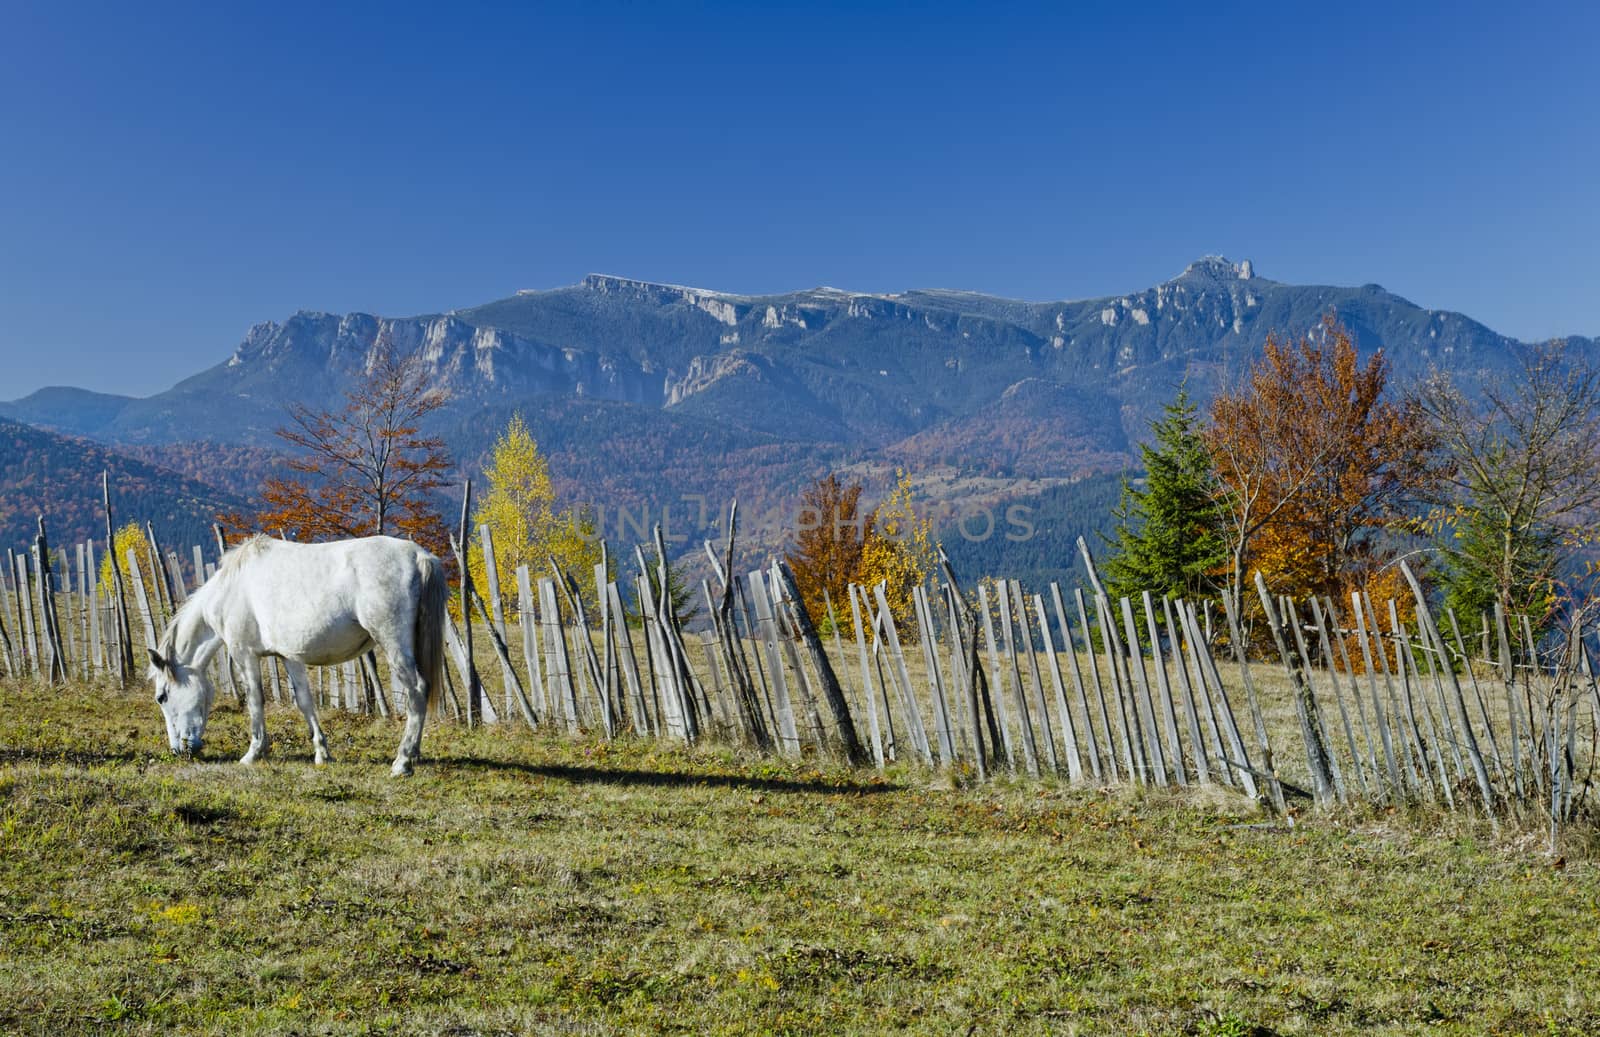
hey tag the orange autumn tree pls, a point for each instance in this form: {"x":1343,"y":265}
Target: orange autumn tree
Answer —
{"x":829,"y":536}
{"x":365,"y":469}
{"x":1315,"y":462}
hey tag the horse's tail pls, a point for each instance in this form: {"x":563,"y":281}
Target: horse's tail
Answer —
{"x":428,"y":643}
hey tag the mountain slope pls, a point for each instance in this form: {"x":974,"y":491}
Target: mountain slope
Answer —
{"x":59,"y":477}
{"x":643,"y":392}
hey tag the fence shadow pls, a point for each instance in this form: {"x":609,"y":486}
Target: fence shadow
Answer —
{"x":667,"y":779}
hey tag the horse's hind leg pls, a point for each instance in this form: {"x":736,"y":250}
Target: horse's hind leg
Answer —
{"x":250,"y":668}
{"x":404,"y":668}
{"x":300,"y":680}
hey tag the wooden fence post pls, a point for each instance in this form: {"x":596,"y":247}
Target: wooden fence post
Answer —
{"x":843,"y":725}
{"x":930,"y":661}
{"x":1144,"y":704}
{"x":1406,"y":667}
{"x":1169,"y":715}
{"x":1030,"y":753}
{"x":1206,"y":665}
{"x":1202,"y":766}
{"x":908,"y":696}
{"x":527,"y":622}
{"x":1430,"y":630}
{"x":1290,"y":617}
{"x":1069,"y":730}
{"x":1025,"y":635}
{"x":1236,"y":635}
{"x":1099,"y":688}
{"x":1322,"y":781}
{"x":866,"y":681}
{"x":788,"y":732}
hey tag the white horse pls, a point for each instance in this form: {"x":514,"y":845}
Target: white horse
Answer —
{"x":308,"y":604}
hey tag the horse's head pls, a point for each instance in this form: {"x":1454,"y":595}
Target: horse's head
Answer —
{"x":184,"y":694}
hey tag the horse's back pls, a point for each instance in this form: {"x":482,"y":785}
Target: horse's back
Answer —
{"x":326,"y":602}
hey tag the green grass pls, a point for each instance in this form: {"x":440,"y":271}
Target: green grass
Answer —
{"x":520,"y":883}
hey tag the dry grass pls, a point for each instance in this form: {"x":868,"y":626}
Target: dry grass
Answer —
{"x":521,"y":883}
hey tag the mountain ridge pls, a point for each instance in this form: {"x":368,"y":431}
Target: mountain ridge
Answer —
{"x":751,"y":395}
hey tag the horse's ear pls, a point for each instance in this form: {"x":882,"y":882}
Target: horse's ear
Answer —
{"x":158,"y":662}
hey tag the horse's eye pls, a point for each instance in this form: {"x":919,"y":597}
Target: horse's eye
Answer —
{"x":161,"y":698}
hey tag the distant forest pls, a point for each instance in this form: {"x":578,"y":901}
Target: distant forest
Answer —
{"x":42,"y":473}
{"x":1059,"y":516}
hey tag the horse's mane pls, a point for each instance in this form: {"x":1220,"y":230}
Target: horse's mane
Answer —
{"x":232,"y":559}
{"x":241,"y":552}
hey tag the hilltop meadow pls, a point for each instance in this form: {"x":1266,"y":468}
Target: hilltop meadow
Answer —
{"x":527,"y":883}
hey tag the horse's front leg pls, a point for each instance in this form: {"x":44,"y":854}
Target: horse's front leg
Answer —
{"x":300,"y":680}
{"x":250,"y":668}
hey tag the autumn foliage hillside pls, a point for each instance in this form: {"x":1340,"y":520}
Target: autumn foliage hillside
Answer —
{"x":59,"y":477}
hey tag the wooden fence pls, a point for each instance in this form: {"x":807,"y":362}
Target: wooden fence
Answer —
{"x":1064,"y":683}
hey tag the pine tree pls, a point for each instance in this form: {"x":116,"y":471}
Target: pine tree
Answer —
{"x":1477,"y":562}
{"x":1168,"y":537}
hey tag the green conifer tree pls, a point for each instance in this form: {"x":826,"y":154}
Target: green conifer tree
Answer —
{"x":1168,"y":535}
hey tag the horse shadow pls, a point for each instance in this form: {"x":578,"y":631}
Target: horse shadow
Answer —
{"x":669,"y":779}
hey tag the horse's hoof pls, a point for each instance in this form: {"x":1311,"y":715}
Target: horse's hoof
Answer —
{"x":249,"y":758}
{"x":323,"y":759}
{"x":400,"y":770}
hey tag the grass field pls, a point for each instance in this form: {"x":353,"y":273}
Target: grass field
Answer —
{"x":520,"y":883}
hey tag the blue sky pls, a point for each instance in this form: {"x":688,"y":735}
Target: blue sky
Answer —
{"x":171,"y":174}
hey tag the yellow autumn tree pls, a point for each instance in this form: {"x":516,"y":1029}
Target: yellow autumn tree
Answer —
{"x":129,"y":537}
{"x":899,"y":552}
{"x":527,"y":523}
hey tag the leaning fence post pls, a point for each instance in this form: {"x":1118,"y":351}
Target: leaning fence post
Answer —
{"x":1407,"y":667}
{"x":788,"y":731}
{"x":1069,"y":731}
{"x":1025,"y":726}
{"x":47,"y":606}
{"x":1431,"y":630}
{"x":1044,"y":730}
{"x":1477,"y":692}
{"x":460,"y":546}
{"x":866,"y":681}
{"x":1291,"y":617}
{"x":1142,"y":698}
{"x":495,"y":618}
{"x":1206,"y":665}
{"x":830,"y":682}
{"x":930,"y":660}
{"x":917,"y":730}
{"x":998,"y":684}
{"x":976,"y":689}
{"x":1402,"y":769}
{"x":137,"y":579}
{"x":630,"y":666}
{"x":124,"y":633}
{"x":1508,"y":675}
{"x":1099,"y":688}
{"x":1274,"y":785}
{"x":1339,"y":634}
{"x":1169,"y":714}
{"x":1077,"y":680}
{"x":1316,"y":752}
{"x":1202,"y":766}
